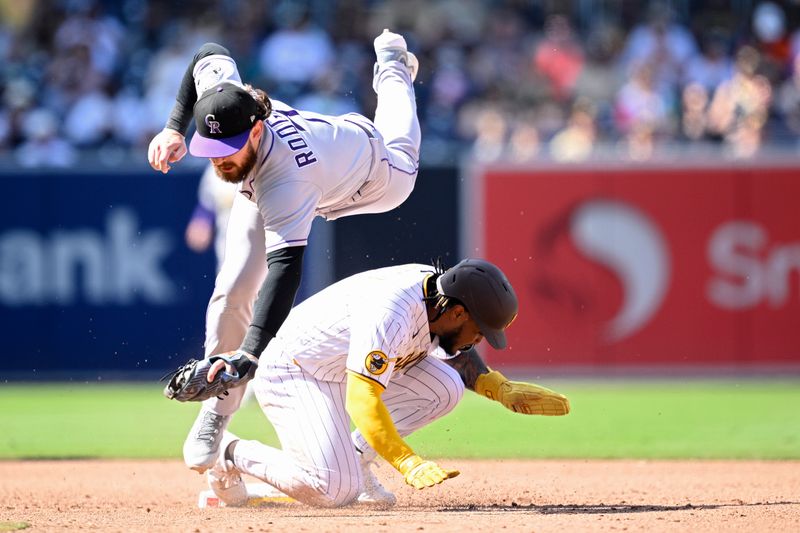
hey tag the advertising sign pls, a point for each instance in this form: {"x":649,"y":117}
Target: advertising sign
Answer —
{"x":643,"y":266}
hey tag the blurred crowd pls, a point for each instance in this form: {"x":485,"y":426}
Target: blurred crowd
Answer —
{"x":509,"y":80}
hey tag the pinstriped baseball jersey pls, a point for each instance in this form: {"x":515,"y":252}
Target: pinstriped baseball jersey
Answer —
{"x":372,"y":323}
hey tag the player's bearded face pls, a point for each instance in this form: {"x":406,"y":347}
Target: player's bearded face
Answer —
{"x":460,"y":338}
{"x":236,"y":167}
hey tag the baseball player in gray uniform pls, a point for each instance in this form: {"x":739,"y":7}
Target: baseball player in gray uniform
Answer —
{"x":391,"y":350}
{"x":291,"y":166}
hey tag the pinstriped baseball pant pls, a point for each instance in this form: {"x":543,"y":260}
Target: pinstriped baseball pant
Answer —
{"x":318,"y":463}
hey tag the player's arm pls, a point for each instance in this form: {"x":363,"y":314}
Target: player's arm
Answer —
{"x":469,"y":366}
{"x":169,"y":145}
{"x":200,"y":230}
{"x":287,"y":211}
{"x":275,"y":299}
{"x":370,"y":415}
{"x":517,"y":396}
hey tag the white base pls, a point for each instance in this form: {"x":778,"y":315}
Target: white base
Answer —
{"x":258,"y":495}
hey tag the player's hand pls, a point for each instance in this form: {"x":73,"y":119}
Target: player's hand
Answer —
{"x":521,"y":397}
{"x":199,"y":234}
{"x":240,"y":367}
{"x":195,"y":382}
{"x":420,"y":473}
{"x":168,"y":146}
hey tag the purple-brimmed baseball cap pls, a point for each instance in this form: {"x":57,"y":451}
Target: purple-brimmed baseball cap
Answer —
{"x":223,"y":116}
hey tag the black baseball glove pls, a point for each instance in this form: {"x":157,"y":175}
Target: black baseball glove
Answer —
{"x":189,"y":383}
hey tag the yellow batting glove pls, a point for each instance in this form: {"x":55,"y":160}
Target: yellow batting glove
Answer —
{"x":521,"y":397}
{"x":420,"y":473}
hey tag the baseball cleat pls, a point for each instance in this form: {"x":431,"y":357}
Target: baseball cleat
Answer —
{"x":201,"y":447}
{"x":373,"y":493}
{"x":392,"y":47}
{"x":224,"y":479}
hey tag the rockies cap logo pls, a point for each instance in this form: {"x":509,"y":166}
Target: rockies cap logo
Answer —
{"x":213,"y":125}
{"x":229,"y":104}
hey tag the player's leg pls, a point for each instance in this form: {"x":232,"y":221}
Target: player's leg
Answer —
{"x":396,"y":115}
{"x":227,"y":319}
{"x":317,"y":464}
{"x":396,"y":111}
{"x":424,"y":393}
{"x":396,"y":134}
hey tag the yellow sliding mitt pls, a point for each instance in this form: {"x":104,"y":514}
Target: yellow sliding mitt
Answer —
{"x":420,"y":473}
{"x":521,"y":397}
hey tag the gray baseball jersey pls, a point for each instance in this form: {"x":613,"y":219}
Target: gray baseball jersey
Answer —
{"x":309,"y":165}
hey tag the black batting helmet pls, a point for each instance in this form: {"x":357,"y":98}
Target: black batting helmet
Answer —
{"x":486,"y":293}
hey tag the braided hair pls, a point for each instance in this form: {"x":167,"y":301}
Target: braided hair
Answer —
{"x":441,"y":302}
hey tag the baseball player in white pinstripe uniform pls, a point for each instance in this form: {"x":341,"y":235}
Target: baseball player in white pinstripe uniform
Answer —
{"x":390,"y":349}
{"x":291,"y":166}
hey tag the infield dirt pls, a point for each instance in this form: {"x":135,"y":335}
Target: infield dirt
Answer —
{"x":509,"y":495}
